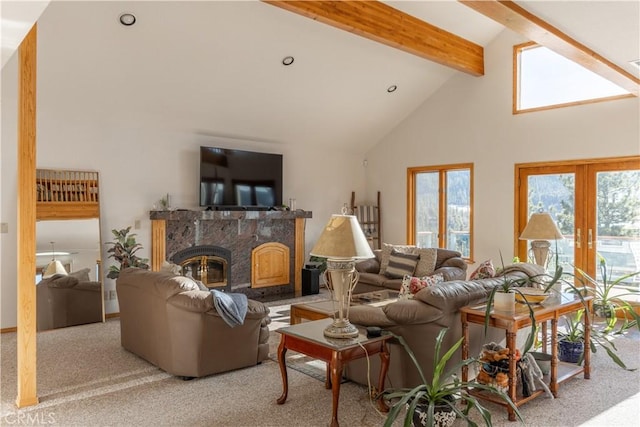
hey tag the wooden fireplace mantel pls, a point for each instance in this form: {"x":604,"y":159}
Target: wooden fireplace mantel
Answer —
{"x":163,"y":225}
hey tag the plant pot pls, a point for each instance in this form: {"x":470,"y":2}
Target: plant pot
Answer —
{"x":504,"y":301}
{"x":443,"y":416}
{"x":570,"y":351}
{"x":543,"y":360}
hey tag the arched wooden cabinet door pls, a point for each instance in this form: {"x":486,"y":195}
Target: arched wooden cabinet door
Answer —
{"x":270,"y":265}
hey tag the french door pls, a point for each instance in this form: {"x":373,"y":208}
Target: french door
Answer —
{"x":596,"y":205}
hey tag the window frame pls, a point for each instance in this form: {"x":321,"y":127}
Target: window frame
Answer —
{"x":442,"y":171}
{"x":517,"y":49}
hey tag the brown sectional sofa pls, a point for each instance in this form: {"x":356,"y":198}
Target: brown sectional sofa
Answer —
{"x":170,"y":322}
{"x":448,"y":262}
{"x":419,"y":321}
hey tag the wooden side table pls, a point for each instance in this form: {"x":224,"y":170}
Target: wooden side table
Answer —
{"x":511,"y":323}
{"x":308,"y":338}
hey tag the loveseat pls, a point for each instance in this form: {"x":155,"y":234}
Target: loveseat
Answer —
{"x":68,"y":300}
{"x":172,"y":323}
{"x":447,"y":262}
{"x":420,"y":319}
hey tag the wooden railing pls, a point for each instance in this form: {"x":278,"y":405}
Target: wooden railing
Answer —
{"x":66,"y":194}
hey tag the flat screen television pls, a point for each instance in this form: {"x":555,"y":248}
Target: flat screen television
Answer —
{"x":239,"y":179}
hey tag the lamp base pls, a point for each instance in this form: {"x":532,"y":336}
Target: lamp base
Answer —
{"x":341,"y":328}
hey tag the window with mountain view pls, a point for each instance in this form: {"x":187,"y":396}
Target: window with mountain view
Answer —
{"x":545,"y":79}
{"x":440,"y":207}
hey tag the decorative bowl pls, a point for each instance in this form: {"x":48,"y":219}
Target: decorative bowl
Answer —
{"x":531,"y":295}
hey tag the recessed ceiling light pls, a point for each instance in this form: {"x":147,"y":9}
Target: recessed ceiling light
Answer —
{"x":392,"y":88}
{"x":127,"y":19}
{"x":288,"y":60}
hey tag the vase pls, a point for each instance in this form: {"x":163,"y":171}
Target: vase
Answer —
{"x":504,"y":301}
{"x":443,"y":416}
{"x":570,"y":351}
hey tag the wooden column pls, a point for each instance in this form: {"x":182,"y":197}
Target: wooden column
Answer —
{"x":299,"y":256}
{"x":158,"y":243}
{"x":26,"y":223}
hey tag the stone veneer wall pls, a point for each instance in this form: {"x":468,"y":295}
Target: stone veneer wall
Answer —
{"x":238,"y":231}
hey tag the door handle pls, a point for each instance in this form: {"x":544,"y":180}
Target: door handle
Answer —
{"x":590,"y":239}
{"x":578,"y":238}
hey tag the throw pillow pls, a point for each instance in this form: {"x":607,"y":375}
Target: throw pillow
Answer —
{"x":386,"y":253}
{"x":401,"y":264}
{"x":484,"y":271}
{"x":82,"y":275}
{"x":171,"y":268}
{"x":427,"y":262}
{"x":412,"y":285}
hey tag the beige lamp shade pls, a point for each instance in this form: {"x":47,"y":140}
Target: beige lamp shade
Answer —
{"x":54,"y":267}
{"x":541,"y":227}
{"x":342,"y":238}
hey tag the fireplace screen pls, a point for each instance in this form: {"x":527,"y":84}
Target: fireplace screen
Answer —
{"x":210,"y":270}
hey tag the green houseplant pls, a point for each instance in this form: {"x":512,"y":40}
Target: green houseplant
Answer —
{"x":123,"y":249}
{"x":439,"y":400}
{"x":607,"y":297}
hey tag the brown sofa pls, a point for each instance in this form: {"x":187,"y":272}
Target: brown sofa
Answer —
{"x":448,"y":262}
{"x":169,"y":321}
{"x":419,"y":321}
{"x":68,"y":300}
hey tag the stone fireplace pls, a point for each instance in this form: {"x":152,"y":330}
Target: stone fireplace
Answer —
{"x":218,"y":246}
{"x":207,"y":263}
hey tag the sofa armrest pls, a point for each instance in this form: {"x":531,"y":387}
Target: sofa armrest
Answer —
{"x":451,"y":296}
{"x":411,"y":312}
{"x":451,"y":273}
{"x":365,"y":315}
{"x":371,"y":265}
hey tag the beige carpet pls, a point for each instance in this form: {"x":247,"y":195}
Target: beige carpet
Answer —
{"x":85,"y":378}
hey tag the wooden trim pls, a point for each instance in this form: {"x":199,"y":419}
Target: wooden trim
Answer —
{"x":158,"y":243}
{"x":112,"y":315}
{"x":299,"y":256}
{"x":26,"y":224}
{"x":518,"y":19}
{"x":7,"y":330}
{"x":382,"y":23}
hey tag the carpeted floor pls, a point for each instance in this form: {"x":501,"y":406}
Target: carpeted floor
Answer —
{"x":85,"y":378}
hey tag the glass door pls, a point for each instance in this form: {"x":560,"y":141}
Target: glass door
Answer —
{"x":596,"y":205}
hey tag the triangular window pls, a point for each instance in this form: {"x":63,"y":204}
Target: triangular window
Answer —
{"x":546,"y":79}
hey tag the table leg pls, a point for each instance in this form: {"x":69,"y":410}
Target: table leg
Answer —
{"x":511,"y":345}
{"x":282,"y":350}
{"x":465,"y":346}
{"x":553,"y":379}
{"x":384,"y":367}
{"x":327,"y":377}
{"x":336,"y":375}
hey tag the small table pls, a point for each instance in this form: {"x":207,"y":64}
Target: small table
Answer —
{"x":323,"y":309}
{"x":512,"y":322}
{"x":308,"y":338}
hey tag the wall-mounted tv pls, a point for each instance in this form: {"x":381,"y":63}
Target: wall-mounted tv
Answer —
{"x":239,"y":179}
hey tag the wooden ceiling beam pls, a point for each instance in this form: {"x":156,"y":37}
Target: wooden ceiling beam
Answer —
{"x":381,"y":23}
{"x":521,"y":21}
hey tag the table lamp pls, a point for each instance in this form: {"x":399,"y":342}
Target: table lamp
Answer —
{"x":540,"y":229}
{"x":342,"y":242}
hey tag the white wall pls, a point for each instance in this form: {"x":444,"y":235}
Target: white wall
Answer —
{"x":139,"y":163}
{"x":469,"y":120}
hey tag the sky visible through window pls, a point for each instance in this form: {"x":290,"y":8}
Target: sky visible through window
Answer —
{"x":547,"y":78}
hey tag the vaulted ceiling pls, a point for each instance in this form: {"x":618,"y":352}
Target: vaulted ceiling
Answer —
{"x":215,"y":67}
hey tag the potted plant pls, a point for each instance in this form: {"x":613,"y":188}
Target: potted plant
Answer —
{"x":607,"y":297}
{"x":123,"y":249}
{"x":571,"y":341}
{"x":437,"y":403}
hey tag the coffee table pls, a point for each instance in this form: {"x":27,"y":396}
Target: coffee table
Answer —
{"x":308,"y":338}
{"x":323,"y":309}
